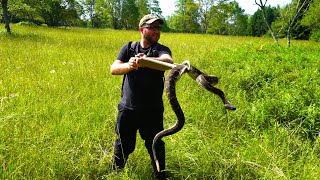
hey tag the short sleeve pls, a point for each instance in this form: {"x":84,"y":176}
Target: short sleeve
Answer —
{"x":123,"y":54}
{"x":163,"y":50}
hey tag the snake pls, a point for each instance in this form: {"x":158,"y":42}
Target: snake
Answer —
{"x":206,"y":81}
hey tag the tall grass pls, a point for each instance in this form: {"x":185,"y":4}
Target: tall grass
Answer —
{"x":58,"y":107}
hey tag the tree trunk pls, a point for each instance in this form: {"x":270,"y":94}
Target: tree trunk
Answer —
{"x":275,"y":38}
{"x":262,"y":7}
{"x":297,"y":13}
{"x":288,"y":36}
{"x":4,"y":4}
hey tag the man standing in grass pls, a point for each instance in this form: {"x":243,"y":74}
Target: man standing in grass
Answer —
{"x":141,"y":106}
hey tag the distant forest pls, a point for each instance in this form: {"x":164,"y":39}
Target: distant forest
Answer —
{"x":299,"y":19}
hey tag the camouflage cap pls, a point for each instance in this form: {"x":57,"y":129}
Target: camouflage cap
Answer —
{"x":148,"y":19}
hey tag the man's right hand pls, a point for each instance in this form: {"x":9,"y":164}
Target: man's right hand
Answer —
{"x":133,"y":63}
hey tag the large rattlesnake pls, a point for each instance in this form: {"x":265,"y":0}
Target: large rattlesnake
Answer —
{"x":174,"y":75}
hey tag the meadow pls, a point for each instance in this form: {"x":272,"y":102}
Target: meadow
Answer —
{"x":58,"y":106}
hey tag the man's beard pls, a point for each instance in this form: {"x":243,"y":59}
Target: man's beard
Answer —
{"x":150,"y":39}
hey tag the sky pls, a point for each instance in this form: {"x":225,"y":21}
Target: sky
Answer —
{"x":167,"y":6}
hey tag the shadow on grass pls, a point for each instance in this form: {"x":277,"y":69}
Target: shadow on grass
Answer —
{"x":31,"y":36}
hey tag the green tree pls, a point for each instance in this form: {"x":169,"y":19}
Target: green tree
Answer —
{"x":96,"y":13}
{"x":258,"y":21}
{"x":186,"y":17}
{"x":220,"y":16}
{"x":289,"y":24}
{"x":268,"y":17}
{"x":130,"y":14}
{"x":103,"y":17}
{"x":205,"y":16}
{"x":23,"y":10}
{"x":312,"y":20}
{"x":257,"y":24}
{"x":143,"y":7}
{"x":155,"y":8}
{"x":209,"y":16}
{"x":58,"y":12}
{"x":89,"y":10}
{"x":238,"y":23}
{"x":295,"y":28}
{"x":71,"y":13}
{"x":115,"y":13}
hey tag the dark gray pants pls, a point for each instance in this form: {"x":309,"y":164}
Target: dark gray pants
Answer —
{"x":149,"y":123}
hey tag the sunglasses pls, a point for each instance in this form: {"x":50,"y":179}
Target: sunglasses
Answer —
{"x":154,"y":28}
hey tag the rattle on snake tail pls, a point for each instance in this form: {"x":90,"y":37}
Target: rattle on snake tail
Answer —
{"x":174,"y":75}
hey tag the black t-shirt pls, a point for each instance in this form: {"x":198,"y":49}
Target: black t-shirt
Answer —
{"x":142,"y":89}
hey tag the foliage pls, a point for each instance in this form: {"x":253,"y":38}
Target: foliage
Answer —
{"x":311,"y":19}
{"x":238,"y":22}
{"x":299,"y":31}
{"x":118,"y":14}
{"x":258,"y":25}
{"x":185,"y":19}
{"x":315,"y":35}
{"x":221,"y":13}
{"x":290,"y":22}
{"x":26,"y":23}
{"x":143,"y":7}
{"x":223,"y":17}
{"x":58,"y":107}
{"x":155,"y":8}
{"x":20,"y":10}
{"x":130,"y":14}
{"x":51,"y":12}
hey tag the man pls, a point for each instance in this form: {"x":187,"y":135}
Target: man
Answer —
{"x":141,"y":105}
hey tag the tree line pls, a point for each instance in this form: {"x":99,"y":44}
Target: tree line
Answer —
{"x":299,"y":19}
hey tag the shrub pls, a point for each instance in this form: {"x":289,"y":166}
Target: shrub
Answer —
{"x":26,"y":23}
{"x":315,"y":36}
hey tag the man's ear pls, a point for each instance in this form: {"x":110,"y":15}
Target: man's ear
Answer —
{"x":140,"y":29}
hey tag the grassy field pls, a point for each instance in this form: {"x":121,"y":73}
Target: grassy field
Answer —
{"x":58,"y":105}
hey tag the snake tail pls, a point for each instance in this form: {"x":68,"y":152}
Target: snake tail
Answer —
{"x":173,"y":76}
{"x":157,"y":165}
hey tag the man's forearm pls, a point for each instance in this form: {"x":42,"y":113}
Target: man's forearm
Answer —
{"x":165,"y":58}
{"x":119,"y":68}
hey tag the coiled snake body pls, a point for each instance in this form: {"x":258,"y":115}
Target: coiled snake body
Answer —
{"x":174,"y":75}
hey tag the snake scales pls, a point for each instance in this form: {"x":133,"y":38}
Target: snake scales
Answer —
{"x":174,"y":75}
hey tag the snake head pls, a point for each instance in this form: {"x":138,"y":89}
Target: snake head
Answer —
{"x":230,"y":107}
{"x":203,"y":81}
{"x":187,"y":63}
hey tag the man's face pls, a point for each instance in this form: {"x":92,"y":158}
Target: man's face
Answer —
{"x":151,"y":32}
